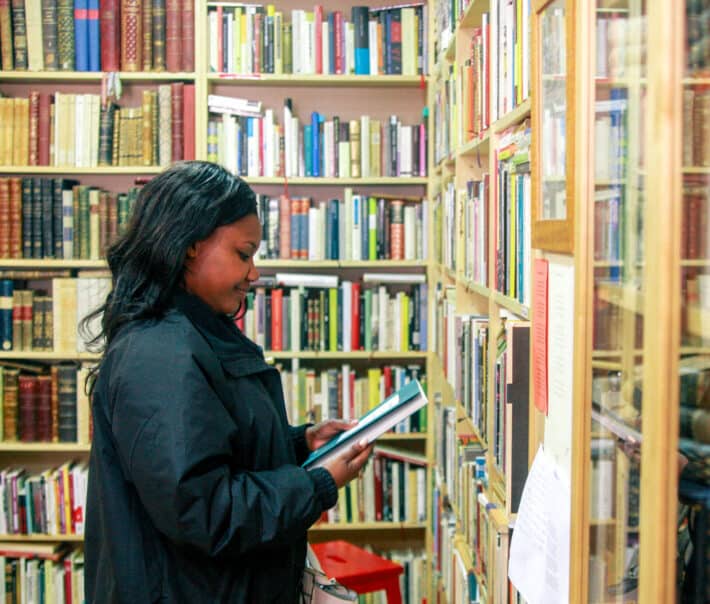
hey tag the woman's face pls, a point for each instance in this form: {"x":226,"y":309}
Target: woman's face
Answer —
{"x":220,"y":269}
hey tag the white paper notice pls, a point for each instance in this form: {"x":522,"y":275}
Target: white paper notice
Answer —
{"x":539,"y":549}
{"x":560,"y":356}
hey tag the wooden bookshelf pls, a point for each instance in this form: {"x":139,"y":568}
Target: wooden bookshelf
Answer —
{"x":65,"y":77}
{"x":59,"y":448}
{"x":341,"y":182}
{"x":320,"y":80}
{"x":35,"y":538}
{"x":104,"y":171}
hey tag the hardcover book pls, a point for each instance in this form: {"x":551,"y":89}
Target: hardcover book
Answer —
{"x":373,"y":424}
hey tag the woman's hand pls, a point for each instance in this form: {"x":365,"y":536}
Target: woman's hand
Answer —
{"x":321,"y":433}
{"x":349,"y":463}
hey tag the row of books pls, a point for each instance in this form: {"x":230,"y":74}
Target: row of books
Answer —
{"x":611,"y":136}
{"x":621,"y":42}
{"x":37,"y":320}
{"x":345,"y":317}
{"x":52,"y":502}
{"x":44,"y":404}
{"x":59,"y":218}
{"x":365,"y":147}
{"x":41,"y":574}
{"x":445,"y":225}
{"x":251,"y":39}
{"x":474,"y":199}
{"x":499,"y":58}
{"x":696,"y":126}
{"x":88,"y":35}
{"x":392,"y":489}
{"x":79,"y":130}
{"x":513,"y":218}
{"x":358,"y":227}
{"x":315,"y":395}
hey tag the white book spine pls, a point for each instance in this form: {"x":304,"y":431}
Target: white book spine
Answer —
{"x":365,"y":146}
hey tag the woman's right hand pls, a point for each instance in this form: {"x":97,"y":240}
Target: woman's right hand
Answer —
{"x":348,"y":464}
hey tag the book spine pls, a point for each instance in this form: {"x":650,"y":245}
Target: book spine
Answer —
{"x":131,"y":35}
{"x":109,"y":25}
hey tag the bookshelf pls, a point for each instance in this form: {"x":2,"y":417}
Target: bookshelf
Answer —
{"x":482,"y":149}
{"x":399,"y":89}
{"x":642,"y":195}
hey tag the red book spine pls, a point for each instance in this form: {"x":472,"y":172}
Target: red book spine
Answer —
{"x":67,"y":580}
{"x":44,"y":408}
{"x":176,"y":98}
{"x":284,"y":227}
{"x":27,"y":399}
{"x":377,"y":467}
{"x":387,"y":377}
{"x":173,"y":35}
{"x":15,"y":217}
{"x":318,"y":18}
{"x":43,"y":129}
{"x":188,"y":35}
{"x":277,"y":319}
{"x":355,"y":305}
{"x":339,"y":62}
{"x":188,"y":122}
{"x":34,"y":129}
{"x":256,"y":45}
{"x":4,"y":218}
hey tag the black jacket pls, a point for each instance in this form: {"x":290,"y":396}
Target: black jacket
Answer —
{"x":195,"y":493}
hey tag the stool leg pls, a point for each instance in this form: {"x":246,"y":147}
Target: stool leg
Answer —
{"x":394,"y":596}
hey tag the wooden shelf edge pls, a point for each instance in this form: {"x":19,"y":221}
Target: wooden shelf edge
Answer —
{"x":511,"y":305}
{"x":17,"y":447}
{"x":44,"y":538}
{"x":401,"y":181}
{"x":513,"y":117}
{"x":95,"y":76}
{"x":360,"y":354}
{"x":99,"y":170}
{"x":365,"y":81}
{"x":369,"y":526}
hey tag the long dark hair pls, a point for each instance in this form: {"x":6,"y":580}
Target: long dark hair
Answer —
{"x":182,"y":205}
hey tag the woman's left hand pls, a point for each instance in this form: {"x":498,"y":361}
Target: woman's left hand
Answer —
{"x":319,"y":434}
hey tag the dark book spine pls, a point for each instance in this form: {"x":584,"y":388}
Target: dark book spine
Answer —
{"x":27,"y":403}
{"x":158,"y":25}
{"x":47,"y":220}
{"x":37,"y":249}
{"x":10,"y":403}
{"x":106,"y":134}
{"x":27,"y":218}
{"x":49,"y":35}
{"x":173,"y":35}
{"x":66,"y":390}
{"x":19,"y":33}
{"x":147,"y":16}
{"x":65,"y":35}
{"x":360,"y":19}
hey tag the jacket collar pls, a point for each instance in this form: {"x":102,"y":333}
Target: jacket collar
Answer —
{"x":237,"y":353}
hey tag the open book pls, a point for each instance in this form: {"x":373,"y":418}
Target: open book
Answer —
{"x":373,"y":424}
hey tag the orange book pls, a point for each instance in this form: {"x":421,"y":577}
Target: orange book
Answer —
{"x":277,"y":319}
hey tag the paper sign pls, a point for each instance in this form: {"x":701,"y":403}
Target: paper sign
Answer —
{"x":539,"y":547}
{"x":539,"y":321}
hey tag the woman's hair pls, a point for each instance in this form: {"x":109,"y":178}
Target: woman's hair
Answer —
{"x":182,"y":205}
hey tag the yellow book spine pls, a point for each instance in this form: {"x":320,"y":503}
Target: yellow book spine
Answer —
{"x":374,"y":377}
{"x":404,"y":323}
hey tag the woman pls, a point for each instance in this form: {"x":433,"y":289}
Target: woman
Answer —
{"x":195,"y":489}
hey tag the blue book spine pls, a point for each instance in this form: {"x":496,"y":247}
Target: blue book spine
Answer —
{"x":94,"y":36}
{"x":360,"y":19}
{"x":308,"y":149}
{"x":315,"y":144}
{"x":520,"y":251}
{"x":334,"y":229}
{"x":81,"y":35}
{"x":6,"y":289}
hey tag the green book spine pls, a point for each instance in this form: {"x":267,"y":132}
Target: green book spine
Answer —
{"x":333,"y":319}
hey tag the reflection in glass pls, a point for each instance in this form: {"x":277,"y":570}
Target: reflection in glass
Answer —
{"x":617,"y":359}
{"x":553,"y":102}
{"x":694,"y":379}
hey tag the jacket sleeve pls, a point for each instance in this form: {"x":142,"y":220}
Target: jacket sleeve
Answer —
{"x":298,"y":437}
{"x":174,"y":437}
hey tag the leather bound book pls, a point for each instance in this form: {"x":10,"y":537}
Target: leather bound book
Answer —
{"x":7,"y":57}
{"x":188,"y":35}
{"x":173,"y":35}
{"x":16,"y":217}
{"x":65,"y":34}
{"x":188,"y":122}
{"x":49,"y":35}
{"x":147,"y":128}
{"x":66,"y":389}
{"x":81,"y":35}
{"x":110,"y":35}
{"x":33,"y":155}
{"x":106,"y":134}
{"x":44,"y":408}
{"x":26,"y":205}
{"x":177,"y":104}
{"x":165,"y":128}
{"x":131,"y":35}
{"x":43,"y":129}
{"x":19,"y":33}
{"x":10,"y":396}
{"x":93,"y":33}
{"x":4,"y":217}
{"x":158,"y":25}
{"x":147,"y":15}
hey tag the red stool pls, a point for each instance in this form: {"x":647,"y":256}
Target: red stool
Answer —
{"x":358,"y":569}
